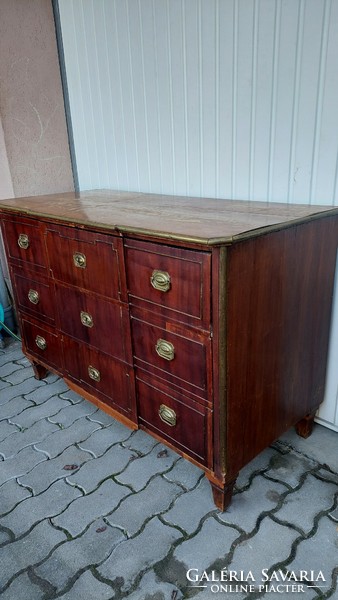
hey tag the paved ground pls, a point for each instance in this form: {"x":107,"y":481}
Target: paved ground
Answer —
{"x":92,"y":511}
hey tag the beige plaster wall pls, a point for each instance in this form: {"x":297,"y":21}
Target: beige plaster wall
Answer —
{"x":31,"y":100}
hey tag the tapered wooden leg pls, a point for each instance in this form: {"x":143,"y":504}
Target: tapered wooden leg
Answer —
{"x":40,"y":372}
{"x":304,"y":427}
{"x":222,"y":496}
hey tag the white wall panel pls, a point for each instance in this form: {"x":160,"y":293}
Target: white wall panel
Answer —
{"x":215,"y":98}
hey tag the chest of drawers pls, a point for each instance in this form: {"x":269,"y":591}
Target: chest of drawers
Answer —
{"x":204,"y":322}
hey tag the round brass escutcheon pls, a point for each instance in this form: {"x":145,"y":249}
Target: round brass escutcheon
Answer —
{"x":165,"y":349}
{"x":167,"y":415}
{"x":94,"y":373}
{"x":160,"y":280}
{"x":80,"y":260}
{"x":23,"y":241}
{"x":41,"y":342}
{"x":33,"y":296}
{"x":86,"y":319}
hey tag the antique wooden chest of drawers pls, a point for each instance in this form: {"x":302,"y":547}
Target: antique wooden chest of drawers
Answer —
{"x":204,"y":322}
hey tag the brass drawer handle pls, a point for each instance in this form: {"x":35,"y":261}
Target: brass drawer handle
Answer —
{"x":165,"y":349}
{"x":80,"y":260}
{"x":94,"y":373}
{"x":160,"y":280}
{"x":167,"y":415}
{"x":23,"y":241}
{"x":86,"y":319}
{"x":33,"y":296}
{"x":41,"y":342}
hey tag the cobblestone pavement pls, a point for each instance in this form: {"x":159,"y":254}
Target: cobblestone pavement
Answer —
{"x":90,"y":510}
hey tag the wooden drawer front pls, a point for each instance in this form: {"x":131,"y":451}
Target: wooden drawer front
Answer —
{"x":84,"y":259}
{"x":24,"y":242}
{"x":181,"y":360}
{"x":183,"y":275}
{"x":110,"y":381}
{"x":186,"y":427}
{"x":35,"y":296}
{"x":42,"y":343}
{"x":95,"y":321}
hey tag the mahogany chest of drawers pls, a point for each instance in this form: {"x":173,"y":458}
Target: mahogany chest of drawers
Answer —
{"x":204,"y":322}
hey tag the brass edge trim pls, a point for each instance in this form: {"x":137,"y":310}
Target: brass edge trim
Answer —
{"x":222,"y":357}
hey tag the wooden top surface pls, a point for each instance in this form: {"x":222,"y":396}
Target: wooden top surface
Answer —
{"x":201,"y":220}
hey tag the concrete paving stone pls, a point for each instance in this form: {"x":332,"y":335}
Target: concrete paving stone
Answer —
{"x":182,"y":513}
{"x":91,"y":548}
{"x":102,"y":418}
{"x":318,"y":553}
{"x":87,"y":587}
{"x":11,"y":493}
{"x":22,"y":588}
{"x":141,"y":442}
{"x":269,"y":546}
{"x":20,"y":375}
{"x":334,"y":514}
{"x":326,"y":475}
{"x":245,"y":508}
{"x":23,"y":361}
{"x":4,"y":537}
{"x":30,"y":550}
{"x":7,"y":429}
{"x":102,"y":439}
{"x":71,"y":395}
{"x":141,"y":470}
{"x":28,"y":388}
{"x":88,"y":508}
{"x":14,"y":407}
{"x":8,"y":368}
{"x":11,"y":353}
{"x":20,"y":464}
{"x":3,"y":384}
{"x":212,"y":543}
{"x":45,"y":390}
{"x":152,"y":588}
{"x":71,"y":413}
{"x":135,"y":509}
{"x":51,"y":470}
{"x":258,"y":464}
{"x":27,"y":437}
{"x":185,"y":474}
{"x":289,"y":468}
{"x":301,"y":507}
{"x":133,"y":556}
{"x":33,"y":414}
{"x":92,"y":473}
{"x":321,"y":446}
{"x":55,"y":443}
{"x":34,"y":509}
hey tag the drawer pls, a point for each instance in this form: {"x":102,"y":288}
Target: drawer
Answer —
{"x":187,"y":427}
{"x":34,"y":296}
{"x":24,"y":242}
{"x":110,"y":381}
{"x":100,"y":323}
{"x":85,"y":259}
{"x":183,"y":361}
{"x":42,"y":343}
{"x":172,"y":281}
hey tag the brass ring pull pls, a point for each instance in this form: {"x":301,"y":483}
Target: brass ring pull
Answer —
{"x":165,"y":349}
{"x":33,"y":296}
{"x":23,"y":241}
{"x":86,"y":319}
{"x":167,"y":415}
{"x":41,"y":342}
{"x":80,"y":260}
{"x":160,"y":280}
{"x":94,"y":373}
